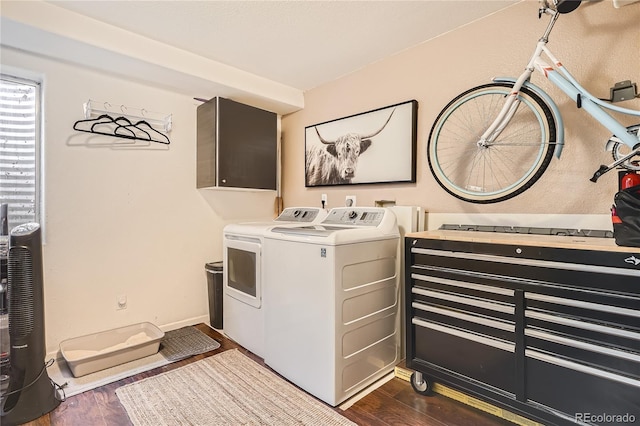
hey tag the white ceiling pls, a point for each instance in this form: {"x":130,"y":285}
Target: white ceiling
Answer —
{"x":300,"y":44}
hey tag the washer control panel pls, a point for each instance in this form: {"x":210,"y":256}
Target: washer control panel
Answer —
{"x":298,"y":214}
{"x":355,"y":216}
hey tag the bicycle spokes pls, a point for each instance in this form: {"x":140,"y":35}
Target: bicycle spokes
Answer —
{"x":506,"y":159}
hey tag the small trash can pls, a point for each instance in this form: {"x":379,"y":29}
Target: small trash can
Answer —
{"x":214,"y":280}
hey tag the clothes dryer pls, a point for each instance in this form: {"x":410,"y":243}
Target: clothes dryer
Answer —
{"x":243,"y":270}
{"x":332,"y":323}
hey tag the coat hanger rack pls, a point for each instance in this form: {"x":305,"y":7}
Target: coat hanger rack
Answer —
{"x":124,"y":122}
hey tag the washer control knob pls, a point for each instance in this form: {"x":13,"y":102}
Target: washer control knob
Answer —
{"x":296,"y":213}
{"x":353,"y":214}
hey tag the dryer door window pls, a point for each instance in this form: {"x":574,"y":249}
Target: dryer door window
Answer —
{"x":242,"y":267}
{"x":243,"y":272}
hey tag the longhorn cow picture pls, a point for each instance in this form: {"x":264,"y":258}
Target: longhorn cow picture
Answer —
{"x":377,"y":146}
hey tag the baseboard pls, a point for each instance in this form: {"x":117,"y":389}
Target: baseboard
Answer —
{"x":184,"y":323}
{"x":405,"y":374}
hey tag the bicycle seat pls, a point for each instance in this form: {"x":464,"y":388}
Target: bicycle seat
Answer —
{"x":567,"y":6}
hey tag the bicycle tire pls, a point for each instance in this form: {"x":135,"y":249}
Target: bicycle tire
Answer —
{"x":507,"y":167}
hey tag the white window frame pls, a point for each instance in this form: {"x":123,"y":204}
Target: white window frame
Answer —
{"x":38,"y":213}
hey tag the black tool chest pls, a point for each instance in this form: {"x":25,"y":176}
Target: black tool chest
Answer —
{"x":548,"y":329}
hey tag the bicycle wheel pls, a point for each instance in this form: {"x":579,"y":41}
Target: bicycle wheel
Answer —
{"x":504,"y":168}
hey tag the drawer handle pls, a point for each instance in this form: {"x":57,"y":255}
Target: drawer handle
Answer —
{"x":464,"y":284}
{"x":584,"y":325}
{"x":580,"y":304}
{"x":466,"y":317}
{"x":528,"y":262}
{"x":580,"y":368}
{"x":581,"y":345}
{"x":478,"y":303}
{"x":499,"y":344}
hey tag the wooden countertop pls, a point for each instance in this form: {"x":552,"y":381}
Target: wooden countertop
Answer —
{"x":571,"y":242}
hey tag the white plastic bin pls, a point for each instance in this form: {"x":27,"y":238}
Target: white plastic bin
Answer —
{"x":94,"y":352}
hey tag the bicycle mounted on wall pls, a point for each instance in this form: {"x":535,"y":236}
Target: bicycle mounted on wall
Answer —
{"x":525,"y":129}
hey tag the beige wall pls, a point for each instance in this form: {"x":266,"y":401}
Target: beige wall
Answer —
{"x":597,"y":43}
{"x":124,"y":221}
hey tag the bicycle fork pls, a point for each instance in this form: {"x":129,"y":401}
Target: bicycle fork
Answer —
{"x":492,"y":133}
{"x":510,"y":106}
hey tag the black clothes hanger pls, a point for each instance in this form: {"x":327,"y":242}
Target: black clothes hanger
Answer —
{"x":139,"y":126}
{"x":121,"y":127}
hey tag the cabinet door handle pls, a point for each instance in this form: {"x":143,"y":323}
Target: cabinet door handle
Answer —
{"x":581,"y":368}
{"x":499,"y":344}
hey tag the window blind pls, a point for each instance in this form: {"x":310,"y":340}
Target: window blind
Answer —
{"x":19,"y":149}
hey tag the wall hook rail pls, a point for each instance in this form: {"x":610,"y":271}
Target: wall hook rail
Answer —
{"x":121,"y":127}
{"x":122,"y":121}
{"x":93,"y":109}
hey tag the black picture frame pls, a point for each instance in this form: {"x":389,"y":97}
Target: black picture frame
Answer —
{"x":373,"y":147}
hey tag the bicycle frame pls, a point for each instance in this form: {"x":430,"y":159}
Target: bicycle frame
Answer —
{"x":561,"y":78}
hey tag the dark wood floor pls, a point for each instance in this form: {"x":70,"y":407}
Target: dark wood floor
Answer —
{"x":394,"y":403}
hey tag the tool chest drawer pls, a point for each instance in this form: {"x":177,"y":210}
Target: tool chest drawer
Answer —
{"x":578,"y":388}
{"x":549,"y":332}
{"x":492,"y":361}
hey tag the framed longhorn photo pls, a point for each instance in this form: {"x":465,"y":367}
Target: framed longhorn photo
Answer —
{"x":377,"y":146}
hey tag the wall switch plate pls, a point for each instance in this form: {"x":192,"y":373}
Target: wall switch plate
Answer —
{"x":350,"y":201}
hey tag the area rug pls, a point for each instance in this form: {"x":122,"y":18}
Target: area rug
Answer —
{"x":175,"y":345}
{"x":225,"y":389}
{"x":185,"y":342}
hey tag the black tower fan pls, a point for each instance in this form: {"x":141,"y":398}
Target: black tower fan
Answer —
{"x":4,"y":232}
{"x":31,"y":393}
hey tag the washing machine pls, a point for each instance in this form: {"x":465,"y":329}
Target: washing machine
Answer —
{"x":332,"y":325}
{"x":243,"y":275}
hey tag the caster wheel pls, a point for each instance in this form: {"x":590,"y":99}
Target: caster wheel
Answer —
{"x":420,"y":384}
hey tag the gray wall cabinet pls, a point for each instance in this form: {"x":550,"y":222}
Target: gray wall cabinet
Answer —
{"x":236,"y":146}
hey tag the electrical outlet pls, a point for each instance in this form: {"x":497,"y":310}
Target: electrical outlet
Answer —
{"x":350,"y":201}
{"x":323,"y":199}
{"x":121,"y":302}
